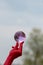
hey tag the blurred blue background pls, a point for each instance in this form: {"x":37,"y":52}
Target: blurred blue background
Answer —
{"x":18,"y":15}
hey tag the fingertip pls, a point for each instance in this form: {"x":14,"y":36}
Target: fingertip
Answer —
{"x":21,"y":43}
{"x":12,"y":46}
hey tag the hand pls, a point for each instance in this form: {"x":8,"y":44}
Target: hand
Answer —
{"x":16,"y":52}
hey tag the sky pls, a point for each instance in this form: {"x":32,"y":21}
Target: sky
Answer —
{"x":18,"y":15}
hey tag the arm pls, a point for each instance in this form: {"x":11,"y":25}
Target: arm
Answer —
{"x":14,"y":53}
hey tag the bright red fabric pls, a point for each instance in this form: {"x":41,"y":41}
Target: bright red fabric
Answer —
{"x":14,"y":53}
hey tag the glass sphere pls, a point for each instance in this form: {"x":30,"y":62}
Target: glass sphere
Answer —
{"x":19,"y":36}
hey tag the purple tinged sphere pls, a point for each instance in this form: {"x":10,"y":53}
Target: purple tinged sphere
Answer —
{"x":19,"y":36}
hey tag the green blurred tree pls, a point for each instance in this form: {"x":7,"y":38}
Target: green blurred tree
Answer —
{"x":35,"y":48}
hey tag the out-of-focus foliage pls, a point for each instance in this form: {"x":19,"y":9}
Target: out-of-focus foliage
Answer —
{"x":34,"y":55}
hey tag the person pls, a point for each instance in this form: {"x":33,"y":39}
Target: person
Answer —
{"x":14,"y":53}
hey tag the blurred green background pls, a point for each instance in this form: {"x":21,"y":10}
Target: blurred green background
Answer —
{"x":35,"y":45}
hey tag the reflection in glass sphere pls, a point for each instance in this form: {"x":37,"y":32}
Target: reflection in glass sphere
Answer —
{"x":19,"y":36}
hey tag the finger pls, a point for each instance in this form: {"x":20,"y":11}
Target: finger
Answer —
{"x":12,"y":46}
{"x":21,"y":46}
{"x":16,"y":46}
